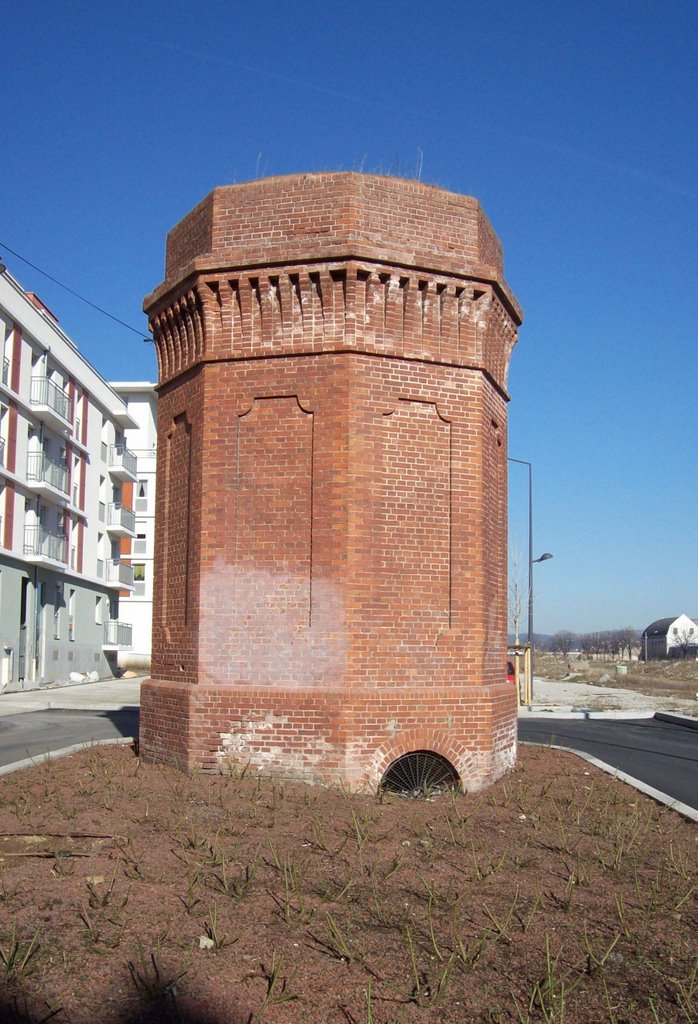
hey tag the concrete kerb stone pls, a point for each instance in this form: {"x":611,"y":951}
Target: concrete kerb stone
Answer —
{"x":642,"y":787}
{"x":581,"y":714}
{"x":32,"y":762}
{"x":674,"y":719}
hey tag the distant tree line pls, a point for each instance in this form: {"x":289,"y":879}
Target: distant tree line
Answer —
{"x":609,"y":643}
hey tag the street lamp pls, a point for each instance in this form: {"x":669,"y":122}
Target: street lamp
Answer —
{"x":531,"y":560}
{"x":543,"y":558}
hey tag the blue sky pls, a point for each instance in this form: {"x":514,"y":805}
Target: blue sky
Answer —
{"x":573,"y":124}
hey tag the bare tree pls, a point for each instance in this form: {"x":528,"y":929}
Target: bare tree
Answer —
{"x":596,"y":644}
{"x":562,"y":642}
{"x":628,"y":640}
{"x":585,"y":644}
{"x":517,"y":594}
{"x":614,"y":642}
{"x":684,"y":638}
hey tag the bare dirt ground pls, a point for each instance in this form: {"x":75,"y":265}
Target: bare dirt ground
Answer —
{"x":132,"y":893}
{"x":674,"y":678}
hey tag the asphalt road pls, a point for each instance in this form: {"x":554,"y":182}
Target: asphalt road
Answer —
{"x":39,"y":732}
{"x":660,"y":754}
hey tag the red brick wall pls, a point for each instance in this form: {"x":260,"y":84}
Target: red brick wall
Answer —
{"x":331,"y":546}
{"x":261,"y":221}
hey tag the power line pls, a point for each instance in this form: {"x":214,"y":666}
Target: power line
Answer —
{"x":76,"y":294}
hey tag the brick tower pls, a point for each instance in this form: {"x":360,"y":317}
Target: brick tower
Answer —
{"x":331,"y":502}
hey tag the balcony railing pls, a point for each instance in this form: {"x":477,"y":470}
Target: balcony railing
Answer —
{"x":117,"y":571}
{"x":121,"y":457}
{"x":42,"y":543}
{"x":44,"y":470}
{"x":118,"y":634}
{"x":45,"y":392}
{"x":121,"y":517}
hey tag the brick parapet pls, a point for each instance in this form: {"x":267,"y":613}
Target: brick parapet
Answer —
{"x":310,"y":217}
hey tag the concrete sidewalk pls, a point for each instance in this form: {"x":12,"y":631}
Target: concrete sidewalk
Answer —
{"x":563,"y":698}
{"x":105,"y":695}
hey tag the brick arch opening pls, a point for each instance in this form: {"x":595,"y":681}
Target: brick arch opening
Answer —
{"x":420,"y":773}
{"x":454,"y":752}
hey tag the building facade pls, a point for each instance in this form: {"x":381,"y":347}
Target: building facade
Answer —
{"x":136,"y":606}
{"x":673,"y":637}
{"x":65,"y":474}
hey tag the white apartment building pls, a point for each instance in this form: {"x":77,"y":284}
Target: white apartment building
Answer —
{"x":136,"y":607}
{"x":65,"y":471}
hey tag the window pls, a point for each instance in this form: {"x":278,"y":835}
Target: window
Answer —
{"x":76,"y":478}
{"x":58,"y":603}
{"x":138,"y":578}
{"x":142,"y":496}
{"x":4,"y":420}
{"x":99,"y":610}
{"x":139,"y":542}
{"x":71,"y":614}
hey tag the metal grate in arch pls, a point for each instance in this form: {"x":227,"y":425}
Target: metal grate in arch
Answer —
{"x":420,"y":773}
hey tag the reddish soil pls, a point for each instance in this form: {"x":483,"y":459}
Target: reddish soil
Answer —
{"x":132,"y":892}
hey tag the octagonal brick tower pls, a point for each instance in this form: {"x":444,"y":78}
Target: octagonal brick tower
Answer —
{"x":330,"y":566}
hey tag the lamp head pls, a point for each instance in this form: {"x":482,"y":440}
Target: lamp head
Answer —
{"x":544,"y":557}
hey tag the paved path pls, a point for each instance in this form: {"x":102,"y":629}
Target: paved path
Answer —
{"x":107,"y":695}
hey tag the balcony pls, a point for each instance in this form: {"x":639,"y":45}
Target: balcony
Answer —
{"x":6,"y":371}
{"x":117,"y":635}
{"x":43,"y":545}
{"x":46,"y":476}
{"x":2,"y":451}
{"x":122,"y":462}
{"x":118,"y":573}
{"x":50,"y":403}
{"x":121,"y":520}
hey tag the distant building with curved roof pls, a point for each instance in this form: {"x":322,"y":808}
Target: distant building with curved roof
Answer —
{"x":673,"y":637}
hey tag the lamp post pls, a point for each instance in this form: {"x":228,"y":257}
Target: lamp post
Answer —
{"x":543,"y":558}
{"x":531,"y":561}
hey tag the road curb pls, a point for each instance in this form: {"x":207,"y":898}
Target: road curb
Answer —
{"x":6,"y":710}
{"x":583,"y":714}
{"x":32,"y":762}
{"x":675,"y":719}
{"x":642,"y":787}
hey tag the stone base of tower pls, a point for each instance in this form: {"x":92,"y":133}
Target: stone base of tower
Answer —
{"x":327,"y":736}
